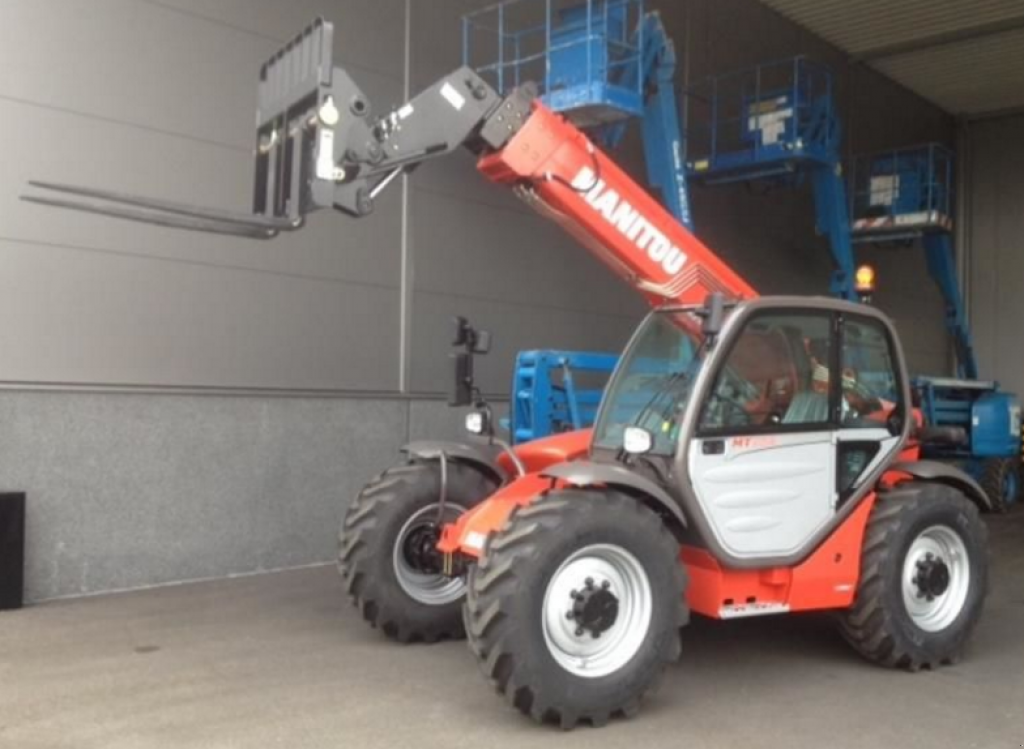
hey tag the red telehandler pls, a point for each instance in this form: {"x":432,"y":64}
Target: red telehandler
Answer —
{"x":752,"y":455}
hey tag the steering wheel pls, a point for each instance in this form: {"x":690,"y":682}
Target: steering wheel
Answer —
{"x":736,"y":414}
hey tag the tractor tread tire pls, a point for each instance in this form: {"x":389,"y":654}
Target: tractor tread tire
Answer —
{"x":504,"y":577}
{"x":992,"y":481}
{"x":878,"y":625}
{"x":366,"y":543}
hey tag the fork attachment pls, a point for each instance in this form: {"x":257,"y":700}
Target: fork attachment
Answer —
{"x":318,"y":144}
{"x":295,"y":91}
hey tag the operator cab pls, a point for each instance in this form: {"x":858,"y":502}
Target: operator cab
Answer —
{"x":766,"y":430}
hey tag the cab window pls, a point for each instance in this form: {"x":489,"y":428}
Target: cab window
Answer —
{"x":871,"y":386}
{"x":775,"y":377}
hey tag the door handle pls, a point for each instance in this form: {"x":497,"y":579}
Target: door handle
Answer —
{"x":713,"y":447}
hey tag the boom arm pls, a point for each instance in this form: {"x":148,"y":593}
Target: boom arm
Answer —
{"x":318,"y":145}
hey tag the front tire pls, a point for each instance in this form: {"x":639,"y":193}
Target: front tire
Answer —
{"x":924,"y":577}
{"x":575,"y":606}
{"x":387,"y":558}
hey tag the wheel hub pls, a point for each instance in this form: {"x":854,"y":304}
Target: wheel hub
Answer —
{"x":932,"y":578}
{"x":595,"y":608}
{"x":420,"y":549}
{"x":608,"y":617}
{"x":936,"y":578}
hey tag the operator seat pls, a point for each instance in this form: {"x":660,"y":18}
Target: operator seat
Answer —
{"x":807,"y":407}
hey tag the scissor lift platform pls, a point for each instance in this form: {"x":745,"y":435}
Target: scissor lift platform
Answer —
{"x":584,"y":56}
{"x":902,"y":194}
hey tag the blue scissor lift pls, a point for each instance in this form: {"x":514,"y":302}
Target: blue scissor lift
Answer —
{"x":904,"y":197}
{"x":775,"y":123}
{"x":603,"y":62}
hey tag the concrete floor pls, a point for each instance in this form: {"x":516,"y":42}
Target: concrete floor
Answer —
{"x":282,"y":661}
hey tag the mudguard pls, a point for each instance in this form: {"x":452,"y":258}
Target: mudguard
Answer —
{"x":474,"y":455}
{"x":943,"y":473}
{"x":588,"y":473}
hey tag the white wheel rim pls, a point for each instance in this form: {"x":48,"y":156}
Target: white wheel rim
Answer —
{"x":427,"y":588}
{"x":936,"y":545}
{"x":584,"y":655}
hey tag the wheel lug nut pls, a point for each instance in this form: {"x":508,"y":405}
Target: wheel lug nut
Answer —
{"x":606,"y":585}
{"x":579,"y":631}
{"x":570,"y":615}
{"x":573,"y":593}
{"x":595,"y":635}
{"x":589,"y":582}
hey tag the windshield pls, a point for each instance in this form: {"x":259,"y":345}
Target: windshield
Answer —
{"x":652,"y":382}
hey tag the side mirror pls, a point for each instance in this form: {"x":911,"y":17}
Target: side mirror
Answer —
{"x":637,"y":441}
{"x":465,"y":335}
{"x":461,"y":393}
{"x":482,"y":342}
{"x":714,"y":315}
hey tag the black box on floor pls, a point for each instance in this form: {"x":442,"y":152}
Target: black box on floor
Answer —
{"x":12,"y":551}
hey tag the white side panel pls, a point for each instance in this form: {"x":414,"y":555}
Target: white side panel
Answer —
{"x":766,"y":495}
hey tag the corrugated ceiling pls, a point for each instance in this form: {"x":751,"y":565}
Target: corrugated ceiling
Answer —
{"x":967,"y":56}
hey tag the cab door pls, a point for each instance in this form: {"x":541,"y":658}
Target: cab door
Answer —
{"x":763,"y":463}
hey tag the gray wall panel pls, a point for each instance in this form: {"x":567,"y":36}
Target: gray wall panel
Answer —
{"x":118,"y":94}
{"x":510,"y":256}
{"x":85,"y":150}
{"x":132,"y":490}
{"x":996,"y":206}
{"x":513,"y":326}
{"x":382,"y":51}
{"x":180,"y":324}
{"x":144,"y":63}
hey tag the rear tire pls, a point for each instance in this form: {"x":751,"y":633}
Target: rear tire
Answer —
{"x":575,"y":606}
{"x":924,"y":577}
{"x":385,"y":543}
{"x":1000,"y":479}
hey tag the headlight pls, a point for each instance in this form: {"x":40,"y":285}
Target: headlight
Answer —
{"x":476,"y":422}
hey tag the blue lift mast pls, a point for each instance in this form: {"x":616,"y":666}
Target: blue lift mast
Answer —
{"x":903,"y":196}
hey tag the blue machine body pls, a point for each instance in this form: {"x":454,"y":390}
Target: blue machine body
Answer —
{"x":556,"y":391}
{"x":989,"y":417}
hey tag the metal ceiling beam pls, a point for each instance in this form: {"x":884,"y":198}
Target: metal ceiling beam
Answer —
{"x":940,"y":40}
{"x":994,"y":114}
